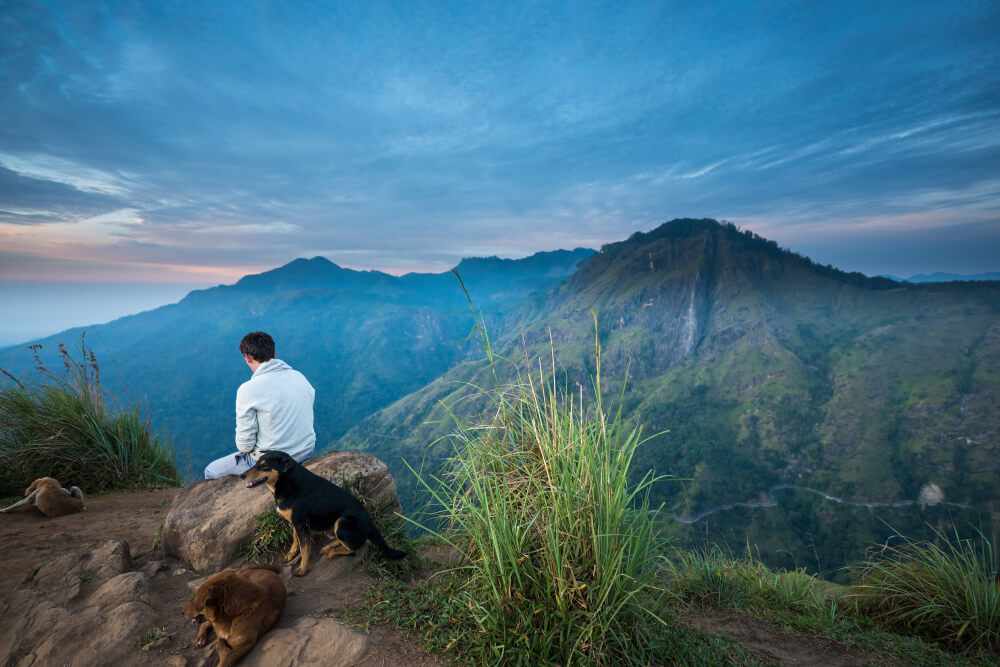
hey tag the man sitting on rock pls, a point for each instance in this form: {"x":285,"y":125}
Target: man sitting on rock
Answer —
{"x":274,"y":410}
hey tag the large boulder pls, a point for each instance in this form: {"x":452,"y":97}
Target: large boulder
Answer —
{"x":81,"y":609}
{"x":209,"y":522}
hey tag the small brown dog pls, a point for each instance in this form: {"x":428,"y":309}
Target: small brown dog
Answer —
{"x":239,"y":606}
{"x":49,"y":497}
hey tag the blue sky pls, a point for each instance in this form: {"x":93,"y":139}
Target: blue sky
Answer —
{"x":195,"y":142}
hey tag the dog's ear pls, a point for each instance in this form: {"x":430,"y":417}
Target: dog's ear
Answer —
{"x":287,"y":463}
{"x":206,"y":595}
{"x":241,"y":595}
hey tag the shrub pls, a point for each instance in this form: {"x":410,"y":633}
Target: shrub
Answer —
{"x":945,"y":591}
{"x":562,"y":549}
{"x":62,"y":428}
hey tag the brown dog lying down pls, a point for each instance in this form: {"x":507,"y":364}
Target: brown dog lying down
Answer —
{"x":239,"y":606}
{"x":49,"y":497}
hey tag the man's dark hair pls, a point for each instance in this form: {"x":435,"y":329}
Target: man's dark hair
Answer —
{"x":258,"y":345}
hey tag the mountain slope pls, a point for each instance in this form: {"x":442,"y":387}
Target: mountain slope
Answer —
{"x":363,"y":338}
{"x":769,"y":371}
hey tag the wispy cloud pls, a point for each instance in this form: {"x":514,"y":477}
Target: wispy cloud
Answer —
{"x":216,"y":139}
{"x":59,"y":170}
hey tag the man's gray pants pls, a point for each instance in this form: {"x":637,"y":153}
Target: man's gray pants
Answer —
{"x":235,"y":464}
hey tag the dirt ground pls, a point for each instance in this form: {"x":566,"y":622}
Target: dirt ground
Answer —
{"x":779,"y":646}
{"x":28,"y":539}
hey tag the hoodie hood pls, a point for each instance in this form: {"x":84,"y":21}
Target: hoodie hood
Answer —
{"x":271,"y":366}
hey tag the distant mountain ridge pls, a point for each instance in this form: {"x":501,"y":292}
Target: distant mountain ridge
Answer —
{"x":363,"y":338}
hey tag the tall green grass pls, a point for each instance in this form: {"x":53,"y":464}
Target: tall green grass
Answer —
{"x":946,"y":591}
{"x":563,"y":550}
{"x":61,"y":427}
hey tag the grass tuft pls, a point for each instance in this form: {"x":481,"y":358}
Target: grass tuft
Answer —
{"x":272,"y":537}
{"x":62,"y":428}
{"x":945,"y":591}
{"x":563,"y":550}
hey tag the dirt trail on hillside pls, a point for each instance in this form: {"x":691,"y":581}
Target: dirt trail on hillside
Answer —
{"x":779,"y":646}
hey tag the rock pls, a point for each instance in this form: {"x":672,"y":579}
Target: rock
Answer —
{"x":91,"y":636}
{"x":60,"y":623}
{"x":210,"y":521}
{"x":111,"y":558}
{"x":308,"y":641}
{"x":176,"y":661}
{"x":61,"y":579}
{"x":153,"y":568}
{"x":930,"y":495}
{"x":118,"y":590}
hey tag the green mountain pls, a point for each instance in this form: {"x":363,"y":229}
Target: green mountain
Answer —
{"x":363,"y":338}
{"x":807,"y":409}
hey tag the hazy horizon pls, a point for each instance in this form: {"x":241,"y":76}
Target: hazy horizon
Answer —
{"x":33,"y":310}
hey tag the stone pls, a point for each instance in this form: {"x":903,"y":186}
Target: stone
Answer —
{"x":79,"y":609}
{"x":123,"y":588}
{"x":110,"y":559}
{"x":308,"y":641}
{"x":176,"y":661}
{"x":62,"y":579}
{"x":210,"y":521}
{"x":153,"y":568}
{"x":91,"y":636}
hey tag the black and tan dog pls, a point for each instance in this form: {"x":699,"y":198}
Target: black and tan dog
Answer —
{"x":313,"y":504}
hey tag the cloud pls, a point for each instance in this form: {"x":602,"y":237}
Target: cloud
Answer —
{"x":58,"y":170}
{"x":215,"y":139}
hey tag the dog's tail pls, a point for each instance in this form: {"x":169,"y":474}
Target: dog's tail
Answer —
{"x":376,"y":538}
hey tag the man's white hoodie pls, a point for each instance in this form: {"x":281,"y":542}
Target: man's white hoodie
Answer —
{"x":274,"y":411}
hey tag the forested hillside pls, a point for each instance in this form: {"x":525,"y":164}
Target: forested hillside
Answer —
{"x":776,"y":381}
